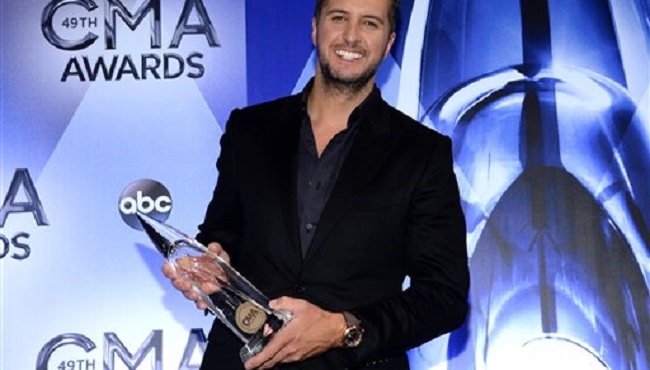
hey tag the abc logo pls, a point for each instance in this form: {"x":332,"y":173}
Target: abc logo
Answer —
{"x":146,"y":196}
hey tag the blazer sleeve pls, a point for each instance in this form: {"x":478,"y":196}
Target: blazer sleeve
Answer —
{"x":223,"y":217}
{"x":436,"y":301}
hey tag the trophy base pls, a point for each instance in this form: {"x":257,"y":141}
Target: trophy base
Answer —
{"x":258,"y":341}
{"x":253,"y":347}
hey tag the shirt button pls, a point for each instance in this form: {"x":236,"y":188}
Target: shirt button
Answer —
{"x":309,"y":227}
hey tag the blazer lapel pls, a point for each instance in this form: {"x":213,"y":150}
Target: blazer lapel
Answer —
{"x":368,"y":152}
{"x":284,"y":143}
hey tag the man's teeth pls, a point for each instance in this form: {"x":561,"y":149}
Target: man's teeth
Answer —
{"x":348,"y":55}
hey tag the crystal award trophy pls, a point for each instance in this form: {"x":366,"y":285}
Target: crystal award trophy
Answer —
{"x":228,"y":295}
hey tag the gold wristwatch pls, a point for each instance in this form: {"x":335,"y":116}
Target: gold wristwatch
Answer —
{"x":353,"y":334}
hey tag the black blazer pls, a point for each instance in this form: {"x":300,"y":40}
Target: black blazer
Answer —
{"x":394,"y":211}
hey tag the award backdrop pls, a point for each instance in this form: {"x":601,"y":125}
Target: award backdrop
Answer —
{"x":113,"y":106}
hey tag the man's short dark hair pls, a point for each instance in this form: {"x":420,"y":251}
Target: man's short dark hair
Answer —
{"x":392,"y":12}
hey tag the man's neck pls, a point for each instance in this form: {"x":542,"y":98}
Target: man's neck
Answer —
{"x":332,"y":106}
{"x":329,"y":109}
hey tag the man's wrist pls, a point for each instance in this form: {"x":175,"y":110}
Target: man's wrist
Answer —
{"x":341,"y":326}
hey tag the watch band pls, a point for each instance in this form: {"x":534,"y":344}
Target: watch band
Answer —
{"x":350,"y":319}
{"x":353,"y":334}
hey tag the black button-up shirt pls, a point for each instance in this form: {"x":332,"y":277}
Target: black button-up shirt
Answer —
{"x":317,"y":175}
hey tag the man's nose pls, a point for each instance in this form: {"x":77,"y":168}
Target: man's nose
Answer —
{"x":352,"y":34}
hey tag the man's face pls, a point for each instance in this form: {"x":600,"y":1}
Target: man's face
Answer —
{"x":352,"y":38}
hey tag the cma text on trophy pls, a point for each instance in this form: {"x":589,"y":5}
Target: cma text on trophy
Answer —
{"x":229,"y":296}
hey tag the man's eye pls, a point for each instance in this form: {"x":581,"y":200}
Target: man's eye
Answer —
{"x":371,"y":24}
{"x":338,"y":18}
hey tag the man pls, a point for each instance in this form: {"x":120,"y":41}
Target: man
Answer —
{"x":327,"y":200}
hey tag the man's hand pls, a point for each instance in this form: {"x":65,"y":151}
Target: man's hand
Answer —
{"x":183,"y":284}
{"x":311,"y":331}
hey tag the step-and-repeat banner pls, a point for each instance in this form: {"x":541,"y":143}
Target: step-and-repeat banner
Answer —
{"x":108,"y":107}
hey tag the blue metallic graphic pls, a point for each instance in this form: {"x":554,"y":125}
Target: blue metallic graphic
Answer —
{"x":552,"y":155}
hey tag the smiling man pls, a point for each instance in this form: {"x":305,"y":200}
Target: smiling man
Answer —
{"x":351,"y":44}
{"x":327,"y":200}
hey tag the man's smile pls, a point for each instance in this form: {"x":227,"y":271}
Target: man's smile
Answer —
{"x":348,"y":55}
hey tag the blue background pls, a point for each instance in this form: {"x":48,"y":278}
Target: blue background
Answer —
{"x":547,"y":103}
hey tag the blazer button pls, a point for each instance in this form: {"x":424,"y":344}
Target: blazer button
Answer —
{"x":300,"y":288}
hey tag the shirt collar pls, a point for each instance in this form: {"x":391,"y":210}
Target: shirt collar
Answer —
{"x":369,"y":104}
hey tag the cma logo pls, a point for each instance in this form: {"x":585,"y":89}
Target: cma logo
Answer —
{"x":113,"y":347}
{"x":21,"y":198}
{"x":193,"y":20}
{"x":115,"y":8}
{"x":147,"y":196}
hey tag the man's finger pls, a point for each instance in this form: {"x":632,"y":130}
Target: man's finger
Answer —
{"x":210,"y":288}
{"x":272,"y":361}
{"x":217,"y":249}
{"x":201,"y":305}
{"x":168,"y":270}
{"x":182,"y":284}
{"x":191,"y":295}
{"x":268,"y":353}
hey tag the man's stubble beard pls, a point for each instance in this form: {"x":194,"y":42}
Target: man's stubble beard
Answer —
{"x":350,"y":85}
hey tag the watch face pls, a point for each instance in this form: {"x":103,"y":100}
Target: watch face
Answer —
{"x":353,"y":336}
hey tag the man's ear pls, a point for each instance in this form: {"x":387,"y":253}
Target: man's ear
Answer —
{"x":314,"y":30}
{"x":391,"y":40}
